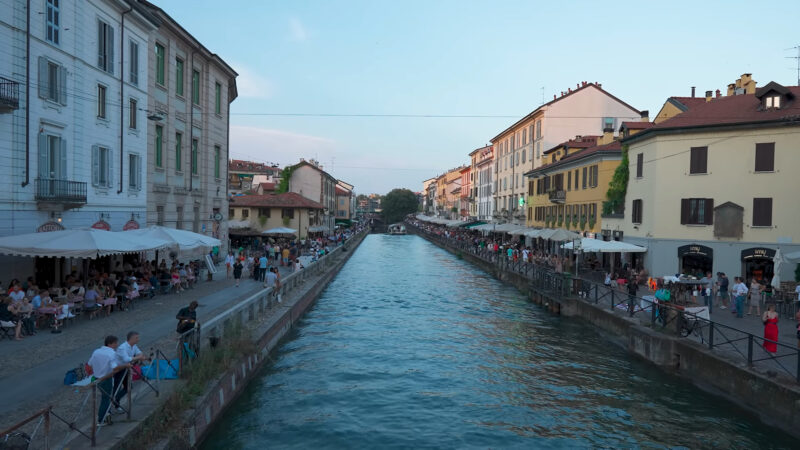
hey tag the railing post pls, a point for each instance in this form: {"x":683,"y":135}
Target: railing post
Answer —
{"x":749,"y":350}
{"x":652,"y":313}
{"x":710,"y":335}
{"x":612,"y":300}
{"x":129,"y":380}
{"x":47,"y":428}
{"x":596,"y":288}
{"x":94,"y":414}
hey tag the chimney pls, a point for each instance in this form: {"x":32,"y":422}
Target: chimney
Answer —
{"x":645,"y":115}
{"x":708,"y":95}
{"x":719,"y":94}
{"x":554,"y":96}
{"x":692,"y":91}
{"x":731,"y":89}
{"x":577,"y":85}
{"x":569,"y":90}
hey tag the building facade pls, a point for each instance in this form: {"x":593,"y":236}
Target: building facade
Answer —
{"x":465,"y":193}
{"x":250,"y":215}
{"x":587,"y":110}
{"x":309,"y":180}
{"x":712,"y":189}
{"x":243,"y":176}
{"x":483,"y":175}
{"x":73,"y":95}
{"x":190,"y":91}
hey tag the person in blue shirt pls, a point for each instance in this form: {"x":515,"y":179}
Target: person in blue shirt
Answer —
{"x":262,"y":267}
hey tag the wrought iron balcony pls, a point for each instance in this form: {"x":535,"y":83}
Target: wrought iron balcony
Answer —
{"x":9,"y":95}
{"x":60,"y":191}
{"x":558,"y":196}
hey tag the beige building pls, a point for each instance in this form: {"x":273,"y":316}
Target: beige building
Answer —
{"x":713,"y":188}
{"x":250,"y":215}
{"x":190,"y":90}
{"x":587,"y":110}
{"x":309,"y":180}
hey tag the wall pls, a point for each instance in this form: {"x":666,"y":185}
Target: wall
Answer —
{"x":299,"y":222}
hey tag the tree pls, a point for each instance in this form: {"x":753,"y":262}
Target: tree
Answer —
{"x":397,"y":204}
{"x":618,"y":187}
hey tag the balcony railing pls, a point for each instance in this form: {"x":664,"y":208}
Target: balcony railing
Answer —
{"x":9,"y":95}
{"x":60,"y":191}
{"x":558,"y":196}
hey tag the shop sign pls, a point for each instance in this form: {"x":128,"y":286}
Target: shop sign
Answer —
{"x":130,"y":225}
{"x":101,"y":225}
{"x":49,"y":226}
{"x":695,"y":249}
{"x":757,"y":253}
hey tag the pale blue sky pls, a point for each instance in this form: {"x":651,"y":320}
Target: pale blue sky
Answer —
{"x":462,"y":58}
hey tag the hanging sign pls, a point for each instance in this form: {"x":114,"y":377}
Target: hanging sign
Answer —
{"x":130,"y":225}
{"x":757,"y":253}
{"x":49,"y":226}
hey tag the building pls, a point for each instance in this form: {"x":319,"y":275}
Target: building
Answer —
{"x":308,"y":179}
{"x":345,"y":201}
{"x":250,"y":215}
{"x":426,"y":197}
{"x":73,"y":95}
{"x":483,"y":172}
{"x":190,"y":90}
{"x":717,"y":198}
{"x":242,"y":175}
{"x":587,"y":110}
{"x":465,"y":194}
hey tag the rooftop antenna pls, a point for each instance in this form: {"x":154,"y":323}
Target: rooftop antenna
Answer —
{"x":543,"y":95}
{"x":796,"y":58}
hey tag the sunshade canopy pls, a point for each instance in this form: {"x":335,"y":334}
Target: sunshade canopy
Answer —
{"x":280,"y":230}
{"x":82,"y":243}
{"x":183,"y":239}
{"x":590,"y":245}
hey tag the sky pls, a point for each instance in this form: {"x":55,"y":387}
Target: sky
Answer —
{"x":495,"y":61}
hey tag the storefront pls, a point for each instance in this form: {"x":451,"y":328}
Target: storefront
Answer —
{"x":757,"y":263}
{"x":695,"y":259}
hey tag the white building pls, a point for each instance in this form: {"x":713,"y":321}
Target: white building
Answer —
{"x":76,"y":145}
{"x":483,"y":175}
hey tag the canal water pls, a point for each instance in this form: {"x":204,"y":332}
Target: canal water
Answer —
{"x":411,"y":347}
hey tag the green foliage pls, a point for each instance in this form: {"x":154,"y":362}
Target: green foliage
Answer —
{"x":286,"y":174}
{"x":397,"y":204}
{"x":583,"y":221}
{"x":262,"y":220}
{"x":286,"y":221}
{"x":797,"y":273}
{"x":618,"y":186}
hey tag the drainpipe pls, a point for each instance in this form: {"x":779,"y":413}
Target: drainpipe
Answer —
{"x":122,"y":97}
{"x":27,"y":96}
{"x":191,"y":128}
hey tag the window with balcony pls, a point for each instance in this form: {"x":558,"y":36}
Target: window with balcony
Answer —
{"x":52,"y":157}
{"x":105,"y":46}
{"x":53,"y":21}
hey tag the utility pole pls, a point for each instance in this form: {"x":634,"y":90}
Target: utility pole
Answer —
{"x":797,"y":59}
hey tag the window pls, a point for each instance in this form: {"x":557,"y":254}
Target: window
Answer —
{"x":593,"y":176}
{"x":160,"y":55}
{"x":765,"y":157}
{"x":264,"y":212}
{"x":698,"y":162}
{"x":524,"y":136}
{"x":636,"y":215}
{"x":195,"y":143}
{"x":160,"y":215}
{"x":569,"y":180}
{"x":134,"y":172}
{"x":608,"y":123}
{"x":231,"y":213}
{"x":697,"y":211}
{"x":53,"y":21}
{"x":179,"y":217}
{"x":583,"y":184}
{"x":52,"y":81}
{"x":179,"y":81}
{"x":132,"y":111}
{"x":773,"y":101}
{"x":217,"y":153}
{"x":287,"y":212}
{"x":102,"y":166}
{"x":217,"y":98}
{"x":101,"y":101}
{"x":762,"y":212}
{"x":245,"y":213}
{"x":105,"y":46}
{"x":178,"y":152}
{"x":196,"y":87}
{"x":52,"y":157}
{"x":159,"y":142}
{"x":639,"y":164}
{"x":538,"y":129}
{"x":133,"y":76}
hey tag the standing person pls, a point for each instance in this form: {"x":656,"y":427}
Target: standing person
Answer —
{"x":262,"y":267}
{"x":104,"y":363}
{"x":285,"y":255}
{"x":237,"y":271}
{"x":755,"y":297}
{"x":229,"y":260}
{"x":187,"y":317}
{"x":770,"y":319}
{"x":127,"y":353}
{"x":708,"y":300}
{"x":739,"y":291}
{"x":720,"y":291}
{"x":633,"y":286}
{"x":272,"y":281}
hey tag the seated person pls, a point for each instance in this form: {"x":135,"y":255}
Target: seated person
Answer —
{"x":165,"y":280}
{"x":153,"y":284}
{"x":8,"y":313}
{"x":91,"y":300}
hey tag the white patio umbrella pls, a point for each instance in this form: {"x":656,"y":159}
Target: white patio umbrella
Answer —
{"x":280,"y":230}
{"x":778,"y":261}
{"x":182,"y":239}
{"x":81,"y":243}
{"x":559,"y":235}
{"x":589,"y":245}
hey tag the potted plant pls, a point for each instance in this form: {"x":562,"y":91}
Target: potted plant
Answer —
{"x":583,"y":221}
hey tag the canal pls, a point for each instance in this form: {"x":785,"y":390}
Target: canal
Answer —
{"x":411,"y":347}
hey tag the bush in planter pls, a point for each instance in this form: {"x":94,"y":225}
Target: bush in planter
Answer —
{"x":560,"y":219}
{"x":286,"y":221}
{"x":583,"y":221}
{"x":592,"y":221}
{"x":575,"y":221}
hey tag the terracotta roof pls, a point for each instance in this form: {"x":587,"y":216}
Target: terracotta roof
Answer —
{"x":285,"y":200}
{"x":585,"y":142}
{"x":612,"y":147}
{"x":267,"y":186}
{"x":687,"y":102}
{"x":730,"y":111}
{"x":306,"y":163}
{"x":597,"y":86}
{"x":250,"y":166}
{"x":637,"y":125}
{"x":340,"y":191}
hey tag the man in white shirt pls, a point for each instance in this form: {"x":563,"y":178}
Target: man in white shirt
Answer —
{"x":104,"y":362}
{"x":740,"y":293}
{"x":127,"y":353}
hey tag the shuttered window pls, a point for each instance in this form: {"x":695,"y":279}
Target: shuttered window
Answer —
{"x":765,"y":157}
{"x":105,"y":46}
{"x":697,"y":211}
{"x":762,"y":212}
{"x":636,"y":215}
{"x":569,"y":180}
{"x":698,"y":161}
{"x":583,"y":184}
{"x":639,"y":165}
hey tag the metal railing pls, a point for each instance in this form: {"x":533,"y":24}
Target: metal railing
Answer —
{"x":734,"y":344}
{"x":9,"y":94}
{"x":52,"y":190}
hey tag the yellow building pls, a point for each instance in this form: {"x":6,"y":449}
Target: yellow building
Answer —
{"x":250,"y":215}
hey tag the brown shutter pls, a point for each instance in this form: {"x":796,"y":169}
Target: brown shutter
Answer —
{"x":639,"y":162}
{"x":762,"y":212}
{"x":685,"y":211}
{"x":698,"y":160}
{"x":765,"y":157}
{"x":709,"y":210}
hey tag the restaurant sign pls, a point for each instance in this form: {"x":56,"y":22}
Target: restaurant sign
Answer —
{"x":101,"y":225}
{"x":695,"y":249}
{"x":757,"y":253}
{"x":130,"y":225}
{"x":49,"y":226}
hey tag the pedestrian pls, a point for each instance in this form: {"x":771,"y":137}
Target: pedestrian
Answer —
{"x":187,"y":318}
{"x":229,"y":260}
{"x":740,"y":292}
{"x":708,"y":300}
{"x":273,"y":281}
{"x":262,"y":267}
{"x":770,"y":319}
{"x":633,"y":286}
{"x":127,"y":353}
{"x":237,"y":271}
{"x":754,"y":297}
{"x":104,"y":366}
{"x":797,"y":319}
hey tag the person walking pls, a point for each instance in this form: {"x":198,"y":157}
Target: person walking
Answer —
{"x":104,"y":363}
{"x":262,"y":267}
{"x":633,"y":286}
{"x":229,"y":260}
{"x":740,"y":292}
{"x":770,"y":319}
{"x":708,"y":300}
{"x":237,"y":271}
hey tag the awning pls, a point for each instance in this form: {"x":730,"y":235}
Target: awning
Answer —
{"x":590,"y":245}
{"x":474,"y":226}
{"x":88,"y":243}
{"x":280,"y":230}
{"x":792,"y":257}
{"x":559,"y":235}
{"x":182,"y":239}
{"x":238,"y":224}
{"x":317,"y":229}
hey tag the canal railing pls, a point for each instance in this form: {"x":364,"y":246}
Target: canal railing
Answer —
{"x":732,"y":343}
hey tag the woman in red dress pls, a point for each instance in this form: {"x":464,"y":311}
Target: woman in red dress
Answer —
{"x":770,"y":320}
